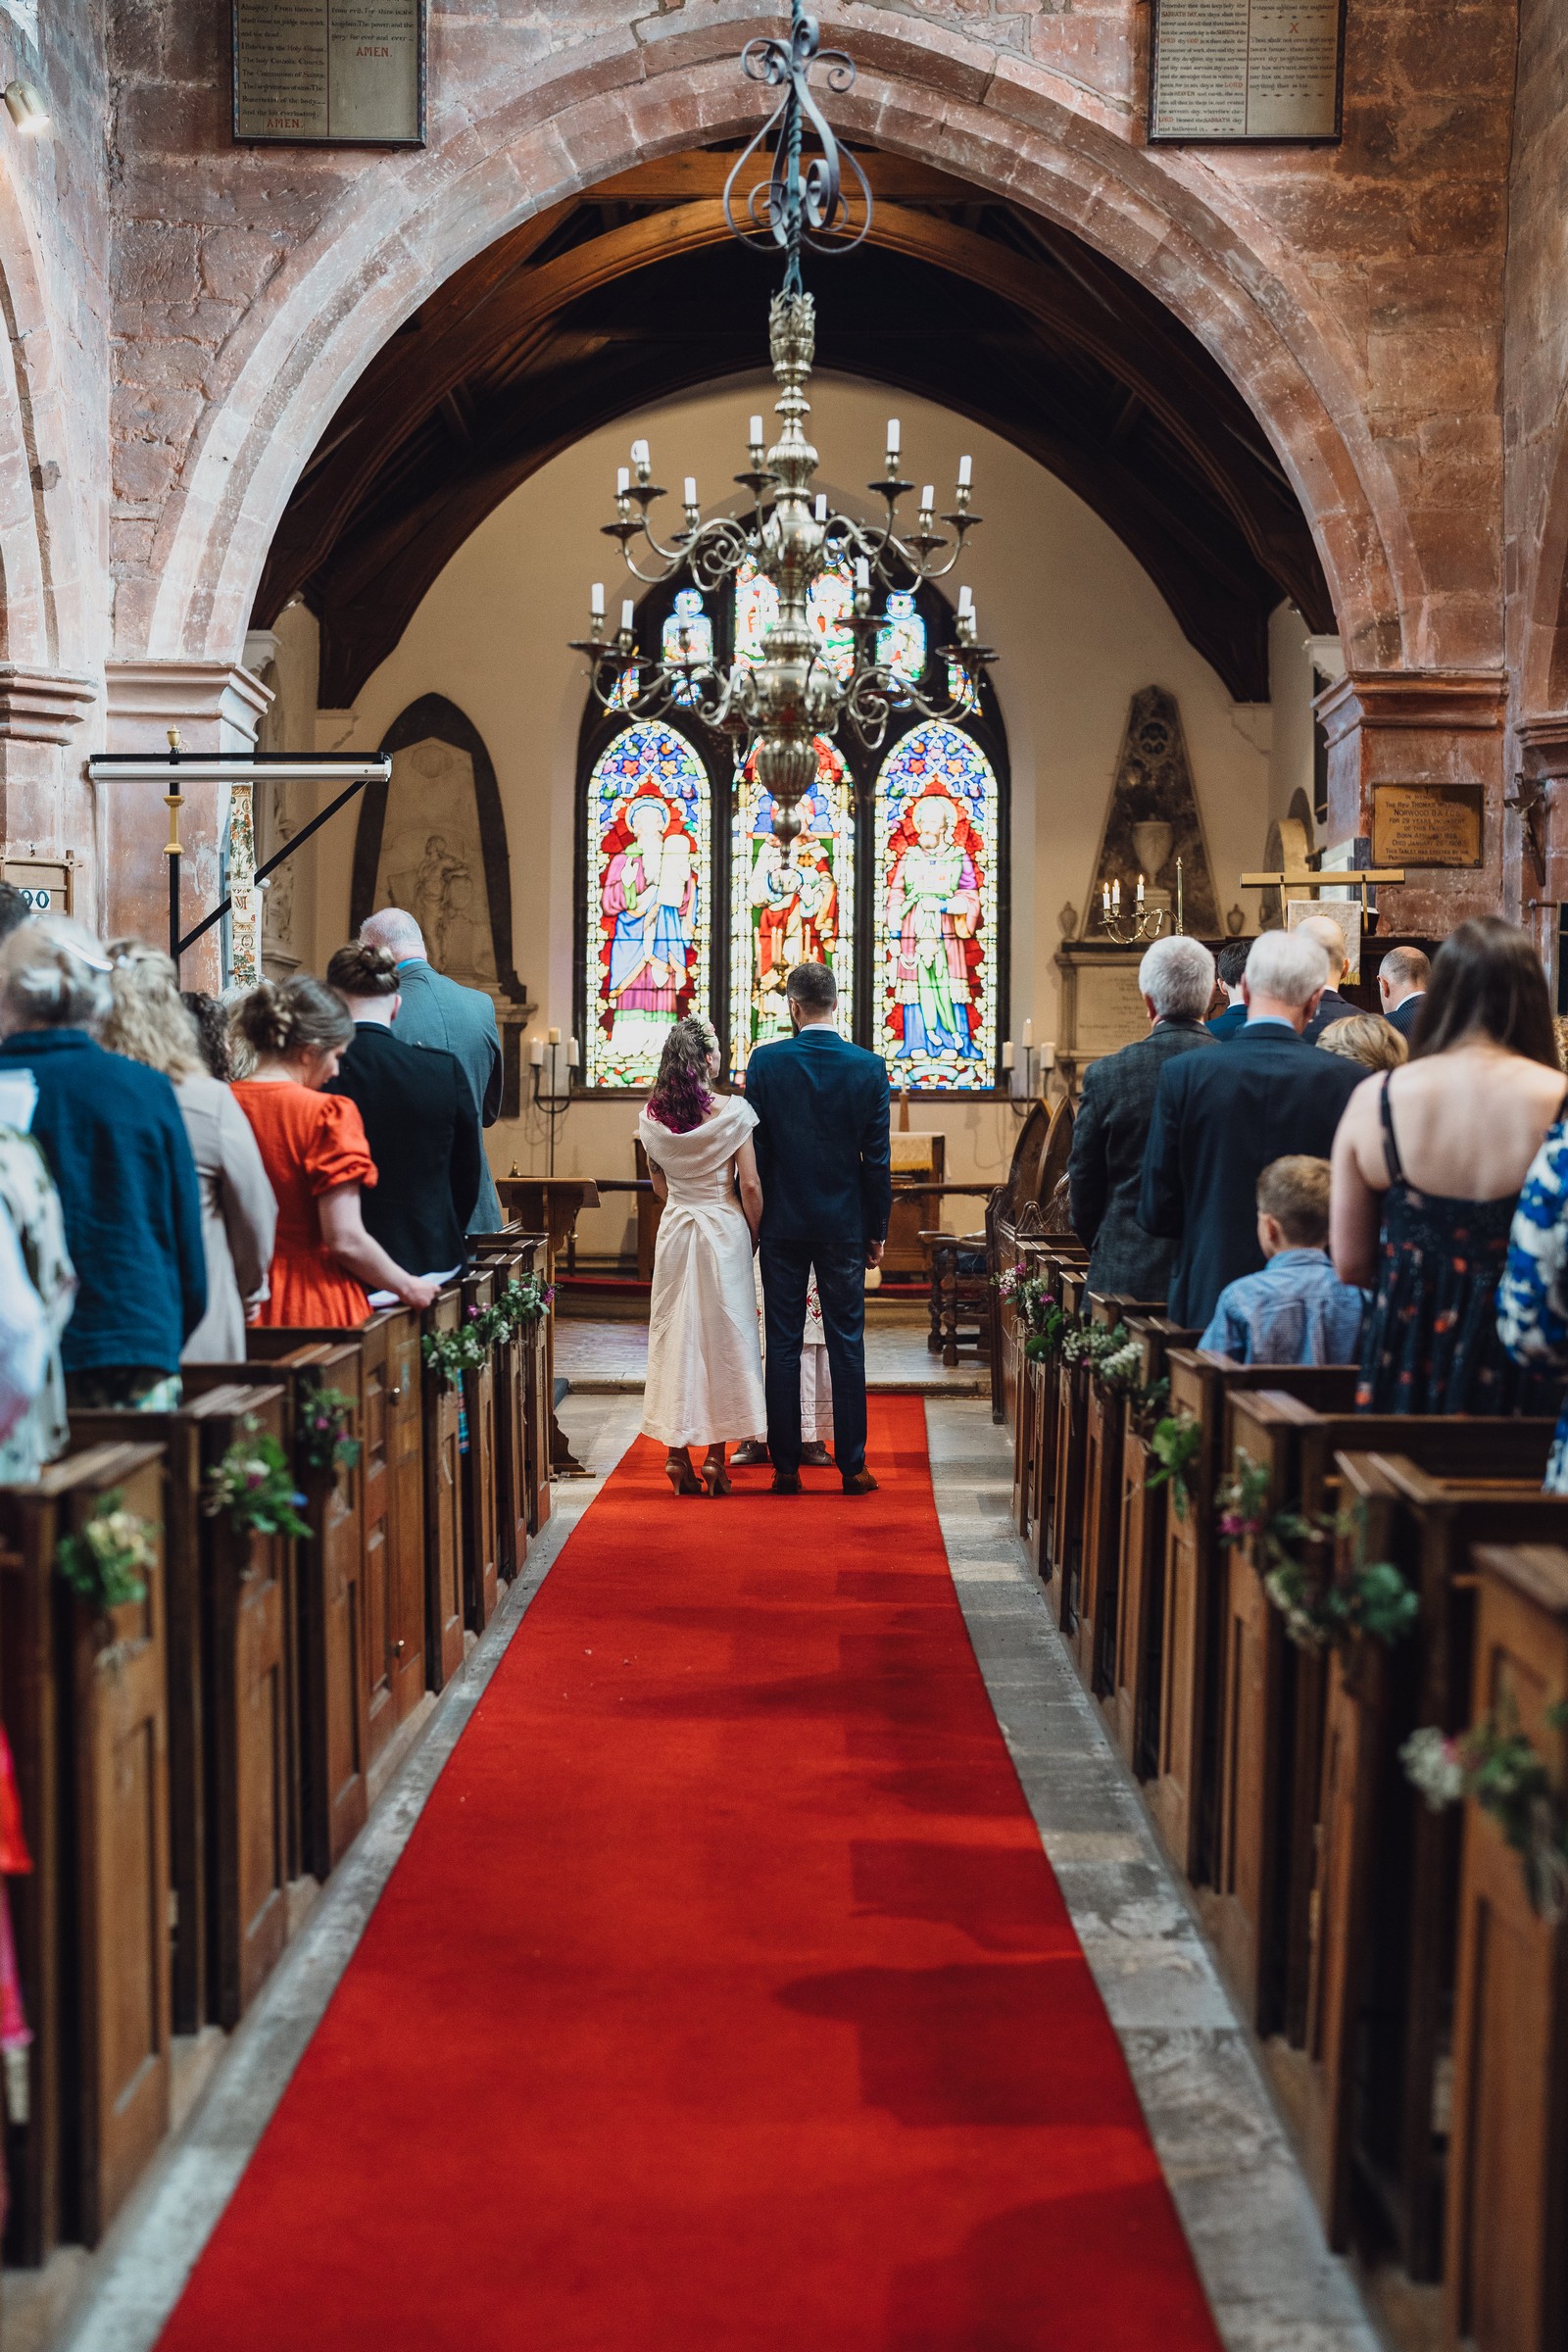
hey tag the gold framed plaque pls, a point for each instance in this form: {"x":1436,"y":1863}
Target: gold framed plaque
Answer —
{"x":1425,"y":824}
{"x":1237,"y":71}
{"x":329,"y":73}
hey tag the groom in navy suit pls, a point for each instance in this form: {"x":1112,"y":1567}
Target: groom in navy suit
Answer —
{"x":824,"y":1158}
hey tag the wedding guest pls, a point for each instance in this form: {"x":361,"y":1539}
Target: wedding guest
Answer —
{"x":1331,"y":1005}
{"x":438,"y":1011}
{"x":1176,"y":980}
{"x":117,"y":1149}
{"x":1403,"y":977}
{"x":1229,"y":965}
{"x":1296,"y":1310}
{"x":1367,"y":1038}
{"x":419,"y":1122}
{"x":1220,"y":1118}
{"x":14,"y":909}
{"x":1533,"y":1294}
{"x":212,"y":1033}
{"x":147,"y":1021}
{"x":24,"y":1334}
{"x":30,"y":1209}
{"x":313,"y":1147}
{"x":1428,"y":1165}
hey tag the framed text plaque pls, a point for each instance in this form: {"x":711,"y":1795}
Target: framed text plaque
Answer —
{"x":1240,"y":70}
{"x":329,"y":73}
{"x":1425,"y":824}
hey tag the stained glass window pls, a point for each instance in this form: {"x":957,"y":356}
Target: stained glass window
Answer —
{"x":936,"y":843}
{"x":900,"y":640}
{"x":828,"y":607}
{"x":688,"y":637}
{"x":649,"y":871}
{"x":784,"y":914}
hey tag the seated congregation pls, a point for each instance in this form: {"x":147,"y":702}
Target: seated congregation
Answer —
{"x":274,"y":1435}
{"x":1287,"y":1456}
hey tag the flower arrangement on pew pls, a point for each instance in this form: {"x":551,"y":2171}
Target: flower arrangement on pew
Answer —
{"x":254,"y":1486}
{"x":1119,"y":1367}
{"x":326,"y":1445}
{"x":1497,"y":1765}
{"x":107,"y":1561}
{"x":453,"y":1354}
{"x":1321,"y":1609}
{"x":1175,"y":1444}
{"x":1038,"y":1308}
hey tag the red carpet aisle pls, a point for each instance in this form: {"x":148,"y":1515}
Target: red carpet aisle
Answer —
{"x":724,"y":1996}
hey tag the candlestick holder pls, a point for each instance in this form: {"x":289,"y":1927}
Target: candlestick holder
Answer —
{"x":552,"y":1101}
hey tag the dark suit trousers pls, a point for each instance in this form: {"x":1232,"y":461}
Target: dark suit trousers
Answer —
{"x":841,"y":1288}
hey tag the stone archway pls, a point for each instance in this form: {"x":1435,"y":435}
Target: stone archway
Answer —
{"x":396,"y":233}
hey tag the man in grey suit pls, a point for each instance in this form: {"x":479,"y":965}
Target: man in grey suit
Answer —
{"x":1176,"y":980}
{"x":438,"y":1011}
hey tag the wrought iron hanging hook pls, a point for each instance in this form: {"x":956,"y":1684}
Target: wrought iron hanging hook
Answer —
{"x":801,"y":201}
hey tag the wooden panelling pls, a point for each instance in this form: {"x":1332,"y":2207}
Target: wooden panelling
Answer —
{"x":443,"y":1506}
{"x":1132,"y":1703}
{"x":478,"y":1454}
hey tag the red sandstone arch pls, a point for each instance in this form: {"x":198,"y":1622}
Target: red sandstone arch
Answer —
{"x":1017,"y":128}
{"x":44,"y":462}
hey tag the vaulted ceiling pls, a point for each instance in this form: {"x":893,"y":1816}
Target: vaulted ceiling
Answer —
{"x":635,"y":292}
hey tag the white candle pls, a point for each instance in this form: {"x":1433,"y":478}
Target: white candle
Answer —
{"x":757,"y":432}
{"x":536,"y":1053}
{"x":596,"y":600}
{"x":928,"y":497}
{"x":1104,"y":898}
{"x":1115,"y":895}
{"x":626,"y":614}
{"x":555,"y":1037}
{"x":622,"y":480}
{"x":1028,"y":1035}
{"x":862,"y":572}
{"x":571,"y":1054}
{"x":821,"y":507}
{"x":639,"y":453}
{"x":1140,"y":893}
{"x":1007,"y":1054}
{"x":893,"y":436}
{"x":691,"y":490}
{"x":965,"y":603}
{"x":966,"y":473}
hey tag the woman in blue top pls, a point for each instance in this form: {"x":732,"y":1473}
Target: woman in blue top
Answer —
{"x":115,"y":1143}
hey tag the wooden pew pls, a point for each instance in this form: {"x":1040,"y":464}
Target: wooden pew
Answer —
{"x":1050,"y":1260}
{"x":1090,"y":1618}
{"x":1272,"y":1694}
{"x":1067,"y":1444}
{"x":444,"y":1549}
{"x":1386,"y":1949}
{"x":478,"y":1457}
{"x":1016,"y":1210}
{"x":1031,"y":1260}
{"x":85,"y":1708}
{"x":1505,"y":2264}
{"x":392,"y":1491}
{"x":1132,"y":1704}
{"x":1182,"y":1792}
{"x":509,"y":1258}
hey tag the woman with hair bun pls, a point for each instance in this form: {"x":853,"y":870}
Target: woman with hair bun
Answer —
{"x":313,"y":1147}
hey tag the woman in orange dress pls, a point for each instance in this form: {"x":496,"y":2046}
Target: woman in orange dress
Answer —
{"x":315,"y":1156}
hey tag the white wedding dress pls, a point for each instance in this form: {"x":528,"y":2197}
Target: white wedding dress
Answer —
{"x":704,"y":1367}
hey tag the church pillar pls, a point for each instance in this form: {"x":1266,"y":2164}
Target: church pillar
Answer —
{"x":1539,"y":804}
{"x":45,"y":806}
{"x":216,"y":707}
{"x":1418,"y":734}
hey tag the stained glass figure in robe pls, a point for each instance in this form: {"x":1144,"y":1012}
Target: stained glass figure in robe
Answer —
{"x":688,"y":637}
{"x":900,"y":640}
{"x":649,"y":865}
{"x":829,"y":606}
{"x":937,"y":823}
{"x":785,"y":913}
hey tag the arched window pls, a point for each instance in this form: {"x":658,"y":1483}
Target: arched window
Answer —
{"x":783,"y":915}
{"x":650,"y":866}
{"x":937,"y":831}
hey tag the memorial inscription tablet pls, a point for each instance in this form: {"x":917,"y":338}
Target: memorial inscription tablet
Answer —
{"x":1425,"y":824}
{"x":1268,"y":69}
{"x":329,"y":73}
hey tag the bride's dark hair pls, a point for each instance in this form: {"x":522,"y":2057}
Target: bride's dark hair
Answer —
{"x":683,"y":1094}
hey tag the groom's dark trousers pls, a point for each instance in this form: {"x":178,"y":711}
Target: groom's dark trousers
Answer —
{"x":822,"y":1154}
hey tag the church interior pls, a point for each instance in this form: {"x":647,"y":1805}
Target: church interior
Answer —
{"x":500,"y":1902}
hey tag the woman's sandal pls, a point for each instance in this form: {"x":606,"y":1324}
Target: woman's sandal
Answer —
{"x":715,"y":1478}
{"x":681,"y":1476}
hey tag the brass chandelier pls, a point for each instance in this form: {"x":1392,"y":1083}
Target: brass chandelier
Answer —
{"x":777,"y":706}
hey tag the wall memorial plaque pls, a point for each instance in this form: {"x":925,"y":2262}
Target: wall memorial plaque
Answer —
{"x":1425,"y":824}
{"x":329,"y":73}
{"x":1226,"y":70}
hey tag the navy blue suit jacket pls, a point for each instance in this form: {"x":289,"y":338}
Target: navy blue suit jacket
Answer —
{"x":1219,"y":1120}
{"x":1225,"y":1024}
{"x":1405,"y":1016}
{"x":823,"y":1148}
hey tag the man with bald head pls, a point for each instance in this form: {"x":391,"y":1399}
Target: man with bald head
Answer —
{"x":438,"y":1011}
{"x":1332,"y":1007}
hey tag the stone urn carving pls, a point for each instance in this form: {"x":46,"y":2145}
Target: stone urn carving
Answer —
{"x":1152,"y":840}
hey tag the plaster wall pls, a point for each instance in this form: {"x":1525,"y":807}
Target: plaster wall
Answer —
{"x":1079,"y":625}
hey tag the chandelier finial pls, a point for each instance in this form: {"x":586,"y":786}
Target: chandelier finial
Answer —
{"x":801,"y":202}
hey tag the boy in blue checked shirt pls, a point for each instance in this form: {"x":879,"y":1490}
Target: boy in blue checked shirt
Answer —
{"x":1296,"y":1310}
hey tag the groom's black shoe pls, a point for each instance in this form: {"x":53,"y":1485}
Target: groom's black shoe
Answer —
{"x":787,"y":1481}
{"x":860,"y":1482}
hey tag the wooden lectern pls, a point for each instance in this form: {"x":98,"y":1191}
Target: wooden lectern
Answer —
{"x":551,"y":1204}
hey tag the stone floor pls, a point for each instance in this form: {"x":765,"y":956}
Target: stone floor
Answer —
{"x":1242,"y":2201}
{"x":609,"y":1358}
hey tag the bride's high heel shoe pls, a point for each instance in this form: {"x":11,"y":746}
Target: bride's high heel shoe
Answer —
{"x":680,"y":1474}
{"x":715,"y":1478}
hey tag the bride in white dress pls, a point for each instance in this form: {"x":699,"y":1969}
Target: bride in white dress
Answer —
{"x":704,"y":1365}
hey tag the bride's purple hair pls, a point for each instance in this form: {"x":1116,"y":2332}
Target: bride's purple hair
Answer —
{"x":682,"y":1095}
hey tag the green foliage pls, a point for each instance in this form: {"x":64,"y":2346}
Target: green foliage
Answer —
{"x":324,"y":1434}
{"x":1174,"y":1444}
{"x":252,"y":1486}
{"x":1498,"y":1767}
{"x":107,"y":1561}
